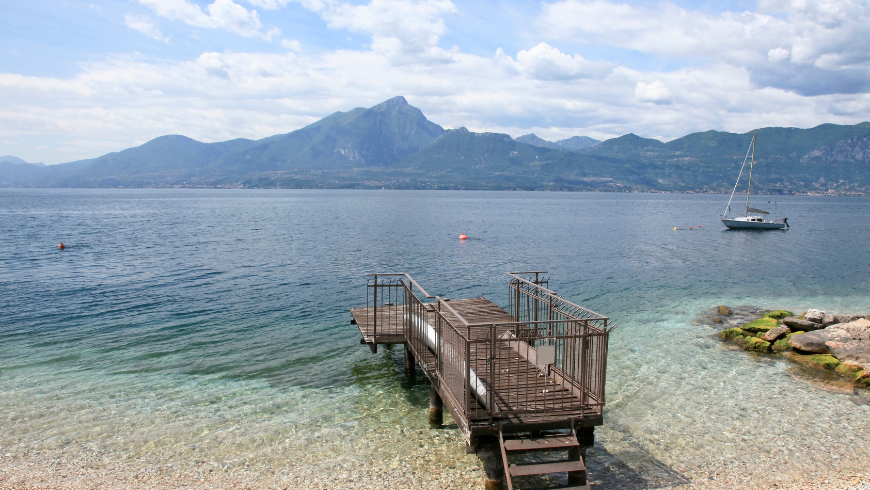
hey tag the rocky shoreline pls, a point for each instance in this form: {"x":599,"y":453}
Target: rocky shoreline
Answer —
{"x":816,"y":339}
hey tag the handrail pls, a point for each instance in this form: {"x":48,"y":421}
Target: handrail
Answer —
{"x":411,"y":279}
{"x":556,"y":295}
{"x":427,"y":295}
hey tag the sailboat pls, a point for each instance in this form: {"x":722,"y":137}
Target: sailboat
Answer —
{"x":750,"y":219}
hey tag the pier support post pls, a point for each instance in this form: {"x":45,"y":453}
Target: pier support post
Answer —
{"x":586,"y":438}
{"x":436,"y":407}
{"x":410,"y":369}
{"x":488,"y":450}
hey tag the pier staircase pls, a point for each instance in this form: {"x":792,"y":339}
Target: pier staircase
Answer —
{"x":549,"y":445}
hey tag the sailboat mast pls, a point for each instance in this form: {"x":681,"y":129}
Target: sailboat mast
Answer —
{"x":748,"y":189}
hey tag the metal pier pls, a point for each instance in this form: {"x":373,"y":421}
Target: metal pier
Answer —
{"x":528,"y":379}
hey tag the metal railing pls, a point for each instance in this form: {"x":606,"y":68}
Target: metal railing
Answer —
{"x":387,"y":301}
{"x":550,"y":360}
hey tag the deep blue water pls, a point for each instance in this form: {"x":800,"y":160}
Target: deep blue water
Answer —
{"x":205,"y":294}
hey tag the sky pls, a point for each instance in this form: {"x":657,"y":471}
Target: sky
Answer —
{"x":79,"y":79}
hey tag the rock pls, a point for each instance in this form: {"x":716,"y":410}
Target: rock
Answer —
{"x":717,"y":320}
{"x":760,"y":325}
{"x":724,"y":311}
{"x":846,"y":318}
{"x":828,"y":319}
{"x":799,"y":324}
{"x":853,"y":364}
{"x":778,"y":314}
{"x":781,"y":345}
{"x":863,"y":378}
{"x":848,"y":370}
{"x":815,"y":316}
{"x":850,"y":341}
{"x":755,"y":344}
{"x":732,"y":333}
{"x":819,"y":361}
{"x":774,"y":333}
{"x":811,"y":342}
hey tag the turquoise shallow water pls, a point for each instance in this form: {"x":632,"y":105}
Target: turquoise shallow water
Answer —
{"x":186,"y":326}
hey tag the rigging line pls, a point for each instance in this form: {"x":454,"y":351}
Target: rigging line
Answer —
{"x":738,"y":176}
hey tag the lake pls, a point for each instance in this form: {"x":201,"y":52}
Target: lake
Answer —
{"x":189,"y":336}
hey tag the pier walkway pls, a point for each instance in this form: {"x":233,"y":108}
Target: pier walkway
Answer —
{"x":527,"y":379}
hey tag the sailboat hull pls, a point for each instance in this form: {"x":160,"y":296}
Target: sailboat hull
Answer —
{"x":752,"y":225}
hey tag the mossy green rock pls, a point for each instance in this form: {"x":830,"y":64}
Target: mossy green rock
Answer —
{"x":781,"y":345}
{"x":732,"y":333}
{"x":778,"y":314}
{"x":863,"y":378}
{"x":756,"y":344}
{"x":823,"y":361}
{"x":760,"y":325}
{"x":847,"y":370}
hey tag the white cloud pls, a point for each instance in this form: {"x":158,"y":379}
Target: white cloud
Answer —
{"x":548,"y":63}
{"x":292,"y":45}
{"x":222,"y":14}
{"x":776,"y":55}
{"x":406,"y":31}
{"x":145,"y":25}
{"x":655,"y":92}
{"x":315,"y":5}
{"x":822,"y":38}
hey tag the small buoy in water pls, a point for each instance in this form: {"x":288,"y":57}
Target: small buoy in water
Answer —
{"x":675,"y":227}
{"x":690,"y":227}
{"x":463,"y":236}
{"x":699,"y":226}
{"x":61,"y":246}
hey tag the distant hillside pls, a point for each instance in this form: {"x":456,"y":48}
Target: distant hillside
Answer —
{"x":573,"y":143}
{"x":825,"y":158}
{"x":394,"y":145}
{"x":17,"y":161}
{"x":359,"y":138}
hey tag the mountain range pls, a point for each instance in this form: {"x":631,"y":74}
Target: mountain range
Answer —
{"x":393,"y":145}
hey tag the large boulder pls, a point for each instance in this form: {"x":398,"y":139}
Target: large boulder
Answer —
{"x":850,"y":341}
{"x":815,"y":316}
{"x":814,"y":342}
{"x":798,"y":324}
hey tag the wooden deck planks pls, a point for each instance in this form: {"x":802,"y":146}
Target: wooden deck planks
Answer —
{"x":516,"y":386}
{"x":390,"y":329}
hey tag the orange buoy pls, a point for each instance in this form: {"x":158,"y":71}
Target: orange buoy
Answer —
{"x":463,"y":236}
{"x":61,"y":246}
{"x":690,"y":227}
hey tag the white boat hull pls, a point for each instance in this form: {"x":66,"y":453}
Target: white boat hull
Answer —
{"x":752,"y":225}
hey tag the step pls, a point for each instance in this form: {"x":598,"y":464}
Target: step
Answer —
{"x":540,"y":443}
{"x":545,"y":468}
